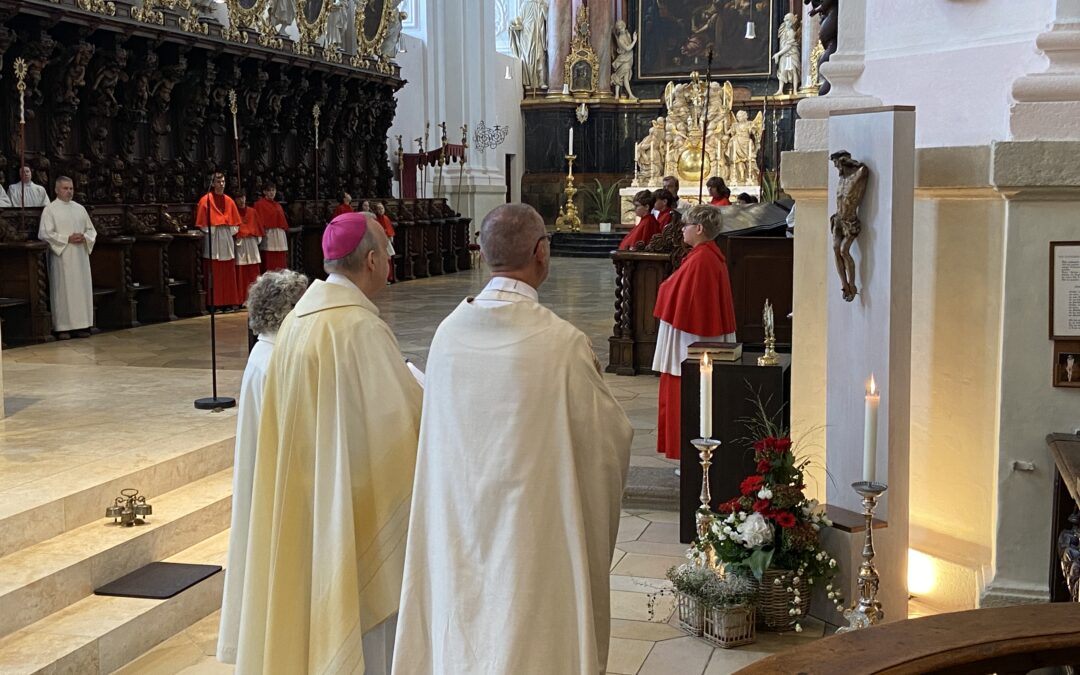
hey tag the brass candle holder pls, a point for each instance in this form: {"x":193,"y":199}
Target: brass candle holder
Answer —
{"x":568,"y":213}
{"x":129,"y":509}
{"x":704,"y":517}
{"x":769,"y":358}
{"x":867,"y":610}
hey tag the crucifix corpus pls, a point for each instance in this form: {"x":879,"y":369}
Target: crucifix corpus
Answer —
{"x":845,"y":223}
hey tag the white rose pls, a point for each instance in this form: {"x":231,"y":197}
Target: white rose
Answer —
{"x":764,"y":493}
{"x":755,"y":531}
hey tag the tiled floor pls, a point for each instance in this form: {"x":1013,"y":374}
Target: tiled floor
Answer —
{"x":162,"y":367}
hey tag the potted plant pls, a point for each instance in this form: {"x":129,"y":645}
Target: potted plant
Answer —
{"x":771,"y":531}
{"x":688,"y":584}
{"x":729,"y":610}
{"x":603,"y":202}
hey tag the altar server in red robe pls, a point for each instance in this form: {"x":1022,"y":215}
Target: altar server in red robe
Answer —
{"x":216,"y":215}
{"x":647,"y":226}
{"x":247,"y":247}
{"x":662,"y":208}
{"x":719,"y":193}
{"x":694,"y":305}
{"x":388,"y":228}
{"x":275,"y":244}
{"x":344,"y":207}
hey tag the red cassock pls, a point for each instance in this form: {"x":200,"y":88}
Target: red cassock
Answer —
{"x":695,"y":299}
{"x":215,"y":211}
{"x":720,"y":201}
{"x":643,"y":231}
{"x":664,"y":218}
{"x":388,"y":227}
{"x":342,"y":208}
{"x":247,"y":252}
{"x":272,"y":217}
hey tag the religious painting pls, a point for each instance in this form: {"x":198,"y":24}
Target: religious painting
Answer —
{"x":1064,"y":289}
{"x":675,"y":37}
{"x":373,"y":16}
{"x":581,"y":79}
{"x":1067,"y":363}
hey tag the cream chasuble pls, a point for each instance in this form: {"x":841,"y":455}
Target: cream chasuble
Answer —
{"x":332,"y":482}
{"x":71,"y":290}
{"x":249,"y":411}
{"x":520,"y":473}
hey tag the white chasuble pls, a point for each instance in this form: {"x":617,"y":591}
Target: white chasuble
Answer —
{"x":248,"y":412}
{"x":520,"y":473}
{"x":71,"y":291}
{"x":331,"y":491}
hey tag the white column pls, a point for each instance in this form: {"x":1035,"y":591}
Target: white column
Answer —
{"x":842,"y":70}
{"x":1047,"y":104}
{"x":810,"y":27}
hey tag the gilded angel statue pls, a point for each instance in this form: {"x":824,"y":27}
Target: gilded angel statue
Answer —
{"x":743,"y":144}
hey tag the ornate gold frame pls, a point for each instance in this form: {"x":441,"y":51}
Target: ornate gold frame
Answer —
{"x":587,"y":55}
{"x":310,"y":32}
{"x":241,"y":17}
{"x":370,"y":48}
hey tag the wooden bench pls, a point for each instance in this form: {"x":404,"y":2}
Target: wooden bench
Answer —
{"x":1002,"y":640}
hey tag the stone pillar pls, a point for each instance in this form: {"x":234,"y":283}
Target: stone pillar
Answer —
{"x":811,"y":26}
{"x":601,"y":23}
{"x":560,"y":29}
{"x":1047,"y":104}
{"x":842,"y":70}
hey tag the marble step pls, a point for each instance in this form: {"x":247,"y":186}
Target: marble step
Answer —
{"x":46,"y":577}
{"x":100,"y":634}
{"x":45,"y":508}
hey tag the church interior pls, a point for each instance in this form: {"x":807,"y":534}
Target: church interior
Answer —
{"x":876,"y":466}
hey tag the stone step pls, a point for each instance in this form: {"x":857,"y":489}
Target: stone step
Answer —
{"x":45,"y":578}
{"x":34,"y":512}
{"x":100,"y":634}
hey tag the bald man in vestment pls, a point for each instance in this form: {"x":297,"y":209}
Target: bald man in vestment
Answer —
{"x":523,"y":458}
{"x":333,"y":475}
{"x":67,"y":229}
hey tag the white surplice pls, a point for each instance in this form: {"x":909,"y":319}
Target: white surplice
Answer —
{"x":276,"y":239}
{"x":71,"y":291}
{"x":247,"y":251}
{"x":519,"y":480}
{"x":249,"y":411}
{"x":35,"y":194}
{"x":4,"y":201}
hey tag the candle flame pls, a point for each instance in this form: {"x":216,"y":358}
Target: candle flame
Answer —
{"x":706,"y":362}
{"x":872,"y":387}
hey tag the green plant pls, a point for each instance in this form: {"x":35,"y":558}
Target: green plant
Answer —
{"x":770,"y":186}
{"x":603,"y":201}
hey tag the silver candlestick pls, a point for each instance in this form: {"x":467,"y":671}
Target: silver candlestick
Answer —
{"x":704,"y":517}
{"x":866,"y":611}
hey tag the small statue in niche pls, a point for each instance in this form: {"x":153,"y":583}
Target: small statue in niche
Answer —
{"x":623,"y":64}
{"x":743,"y":146}
{"x":534,"y":43}
{"x":845,"y":223}
{"x":282,"y":15}
{"x":337,"y":23}
{"x":389,"y":48}
{"x":788,"y":56}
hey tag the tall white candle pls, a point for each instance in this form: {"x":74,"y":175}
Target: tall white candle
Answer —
{"x":571,"y":144}
{"x":873,"y":398}
{"x":706,"y":396}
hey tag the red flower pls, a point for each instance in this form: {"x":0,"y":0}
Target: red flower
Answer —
{"x":785,"y":520}
{"x":763,"y":466}
{"x":759,"y":446}
{"x":729,"y":506}
{"x":783,"y":445}
{"x":761,"y":505}
{"x":751,"y":485}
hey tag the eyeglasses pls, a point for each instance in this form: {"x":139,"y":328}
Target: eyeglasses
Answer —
{"x":537,"y":244}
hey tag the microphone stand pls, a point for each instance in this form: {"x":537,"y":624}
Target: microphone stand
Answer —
{"x":704,"y":131}
{"x":215,"y":402}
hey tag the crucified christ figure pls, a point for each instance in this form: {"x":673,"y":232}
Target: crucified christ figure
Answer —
{"x":845,"y":223}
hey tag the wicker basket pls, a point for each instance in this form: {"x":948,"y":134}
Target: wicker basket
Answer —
{"x":729,"y":626}
{"x":774,"y":602}
{"x":691,"y":614}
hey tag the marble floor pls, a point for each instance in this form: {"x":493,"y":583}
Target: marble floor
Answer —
{"x":72,"y":405}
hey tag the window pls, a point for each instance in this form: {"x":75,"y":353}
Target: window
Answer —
{"x":505,"y":11}
{"x":412,"y":8}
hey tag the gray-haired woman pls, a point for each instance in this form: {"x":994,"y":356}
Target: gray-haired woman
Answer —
{"x":272,"y":296}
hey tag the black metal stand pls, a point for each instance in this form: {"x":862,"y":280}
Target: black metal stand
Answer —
{"x":214,"y":402}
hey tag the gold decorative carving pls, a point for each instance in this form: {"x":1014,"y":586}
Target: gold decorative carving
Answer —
{"x":303,"y":48}
{"x":267,"y":36}
{"x":105,"y":7}
{"x":582,"y":63}
{"x":310,"y":31}
{"x":815,"y":76}
{"x":190,"y":23}
{"x":240,"y":16}
{"x":147,"y":13}
{"x":234,"y":34}
{"x":364,"y":45}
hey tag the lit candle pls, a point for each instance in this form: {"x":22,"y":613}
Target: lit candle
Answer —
{"x":706,"y":396}
{"x":571,"y":144}
{"x":873,"y":398}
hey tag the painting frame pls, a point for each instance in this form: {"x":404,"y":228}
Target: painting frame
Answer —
{"x":1066,"y":367}
{"x":674,"y":37}
{"x":1064,"y":282}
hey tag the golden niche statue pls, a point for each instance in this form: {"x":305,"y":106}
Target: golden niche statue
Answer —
{"x":674,"y":144}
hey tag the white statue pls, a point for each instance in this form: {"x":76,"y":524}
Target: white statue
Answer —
{"x":337,"y":24}
{"x":743,"y":146}
{"x":389,"y":48}
{"x":282,"y":14}
{"x":622,"y":65}
{"x":515,"y":29}
{"x":788,"y":56}
{"x":533,"y":43}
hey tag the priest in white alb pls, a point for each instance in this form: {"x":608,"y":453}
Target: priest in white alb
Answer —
{"x":523,"y":457}
{"x":66,"y":228}
{"x":35,"y":195}
{"x":333,"y":475}
{"x":270,"y":299}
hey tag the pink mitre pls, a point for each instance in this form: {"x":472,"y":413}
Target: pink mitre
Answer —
{"x":343,"y":235}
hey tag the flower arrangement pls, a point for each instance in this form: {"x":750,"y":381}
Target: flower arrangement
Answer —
{"x":772,"y":525}
{"x":701,"y":589}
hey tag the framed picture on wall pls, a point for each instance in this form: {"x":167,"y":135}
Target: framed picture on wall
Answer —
{"x":1067,"y":363}
{"x":674,"y":38}
{"x":1064,"y":290}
